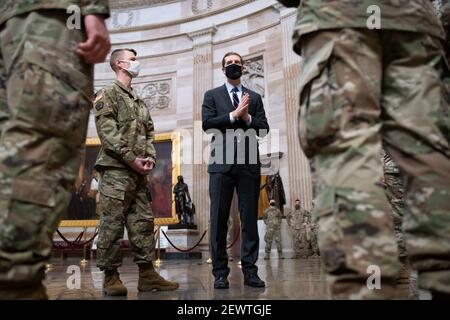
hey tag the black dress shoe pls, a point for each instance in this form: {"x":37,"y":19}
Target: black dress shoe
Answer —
{"x":252,"y":280}
{"x":221,"y":282}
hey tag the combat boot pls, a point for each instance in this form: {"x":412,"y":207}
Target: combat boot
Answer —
{"x":32,"y":292}
{"x":150,"y":280}
{"x":112,"y":285}
{"x":280,"y":255}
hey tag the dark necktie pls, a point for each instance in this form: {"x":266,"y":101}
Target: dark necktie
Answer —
{"x":235,"y":97}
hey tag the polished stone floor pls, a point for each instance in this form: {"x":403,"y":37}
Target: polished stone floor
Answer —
{"x":286,"y":279}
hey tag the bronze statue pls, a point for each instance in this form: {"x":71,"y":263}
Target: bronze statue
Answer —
{"x":184,"y":207}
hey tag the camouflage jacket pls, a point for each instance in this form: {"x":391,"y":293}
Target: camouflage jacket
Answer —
{"x":404,"y":15}
{"x":273,"y":217}
{"x":124,"y":126}
{"x":11,"y":8}
{"x":295,"y":218}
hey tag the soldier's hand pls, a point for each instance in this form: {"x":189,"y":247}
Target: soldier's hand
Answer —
{"x":138,"y":165}
{"x":149,"y":164}
{"x":97,"y":44}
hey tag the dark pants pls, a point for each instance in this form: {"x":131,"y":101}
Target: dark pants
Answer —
{"x":221,"y":189}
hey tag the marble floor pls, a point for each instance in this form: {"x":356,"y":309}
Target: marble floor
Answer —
{"x":286,"y":279}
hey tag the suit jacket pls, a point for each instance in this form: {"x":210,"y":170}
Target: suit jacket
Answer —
{"x":233,"y":137}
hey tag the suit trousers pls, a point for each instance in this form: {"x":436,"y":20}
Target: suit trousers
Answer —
{"x":221,"y":189}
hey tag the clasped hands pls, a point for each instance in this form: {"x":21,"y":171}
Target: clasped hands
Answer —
{"x":242,"y":109}
{"x":142,"y":165}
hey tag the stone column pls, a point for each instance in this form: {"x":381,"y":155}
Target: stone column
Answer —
{"x":299,"y":170}
{"x":203,"y":81}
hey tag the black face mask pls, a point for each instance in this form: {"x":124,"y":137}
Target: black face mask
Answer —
{"x":233,"y":71}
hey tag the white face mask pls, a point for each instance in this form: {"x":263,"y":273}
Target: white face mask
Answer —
{"x":134,"y":68}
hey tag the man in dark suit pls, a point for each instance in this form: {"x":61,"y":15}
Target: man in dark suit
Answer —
{"x":235,"y":115}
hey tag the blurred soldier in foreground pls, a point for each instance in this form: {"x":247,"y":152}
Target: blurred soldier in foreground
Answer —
{"x":369,"y":77}
{"x":46,"y":87}
{"x":126,"y":157}
{"x":272,"y":219}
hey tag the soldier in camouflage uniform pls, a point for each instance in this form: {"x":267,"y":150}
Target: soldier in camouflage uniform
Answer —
{"x":295,"y":220}
{"x":126,"y":157}
{"x":272,"y":219}
{"x":46,"y":88}
{"x":358,"y":87}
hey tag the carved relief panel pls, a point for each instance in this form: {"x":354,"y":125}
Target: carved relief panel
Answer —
{"x":253,"y":75}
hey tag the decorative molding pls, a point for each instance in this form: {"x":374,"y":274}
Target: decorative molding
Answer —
{"x":157,"y":94}
{"x":203,"y":32}
{"x":249,"y":33}
{"x":197,"y":9}
{"x":123,"y":4}
{"x":202,"y":37}
{"x":156,"y":90}
{"x":284,"y":11}
{"x":253,"y":75}
{"x":187,"y":19}
{"x":130,"y":15}
{"x":242,"y":35}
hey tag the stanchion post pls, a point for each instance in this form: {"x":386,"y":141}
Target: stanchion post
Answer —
{"x":84,"y":261}
{"x":209,"y":260}
{"x":158,"y":251}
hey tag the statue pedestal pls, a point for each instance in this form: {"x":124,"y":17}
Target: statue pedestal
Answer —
{"x":183,"y":237}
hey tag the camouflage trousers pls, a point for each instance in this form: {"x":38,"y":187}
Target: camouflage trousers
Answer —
{"x":300,"y":244}
{"x":304,"y":245}
{"x":124,"y":202}
{"x":394,"y":193}
{"x":273,"y":234}
{"x":359,"y":87}
{"x":45,"y":91}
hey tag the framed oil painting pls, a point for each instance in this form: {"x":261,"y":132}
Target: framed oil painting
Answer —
{"x":83,"y":208}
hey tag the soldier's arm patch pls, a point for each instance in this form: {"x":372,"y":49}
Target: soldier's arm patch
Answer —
{"x":101,"y":105}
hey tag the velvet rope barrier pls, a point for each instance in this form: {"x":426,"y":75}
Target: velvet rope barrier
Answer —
{"x":76,"y":242}
{"x":184,"y":250}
